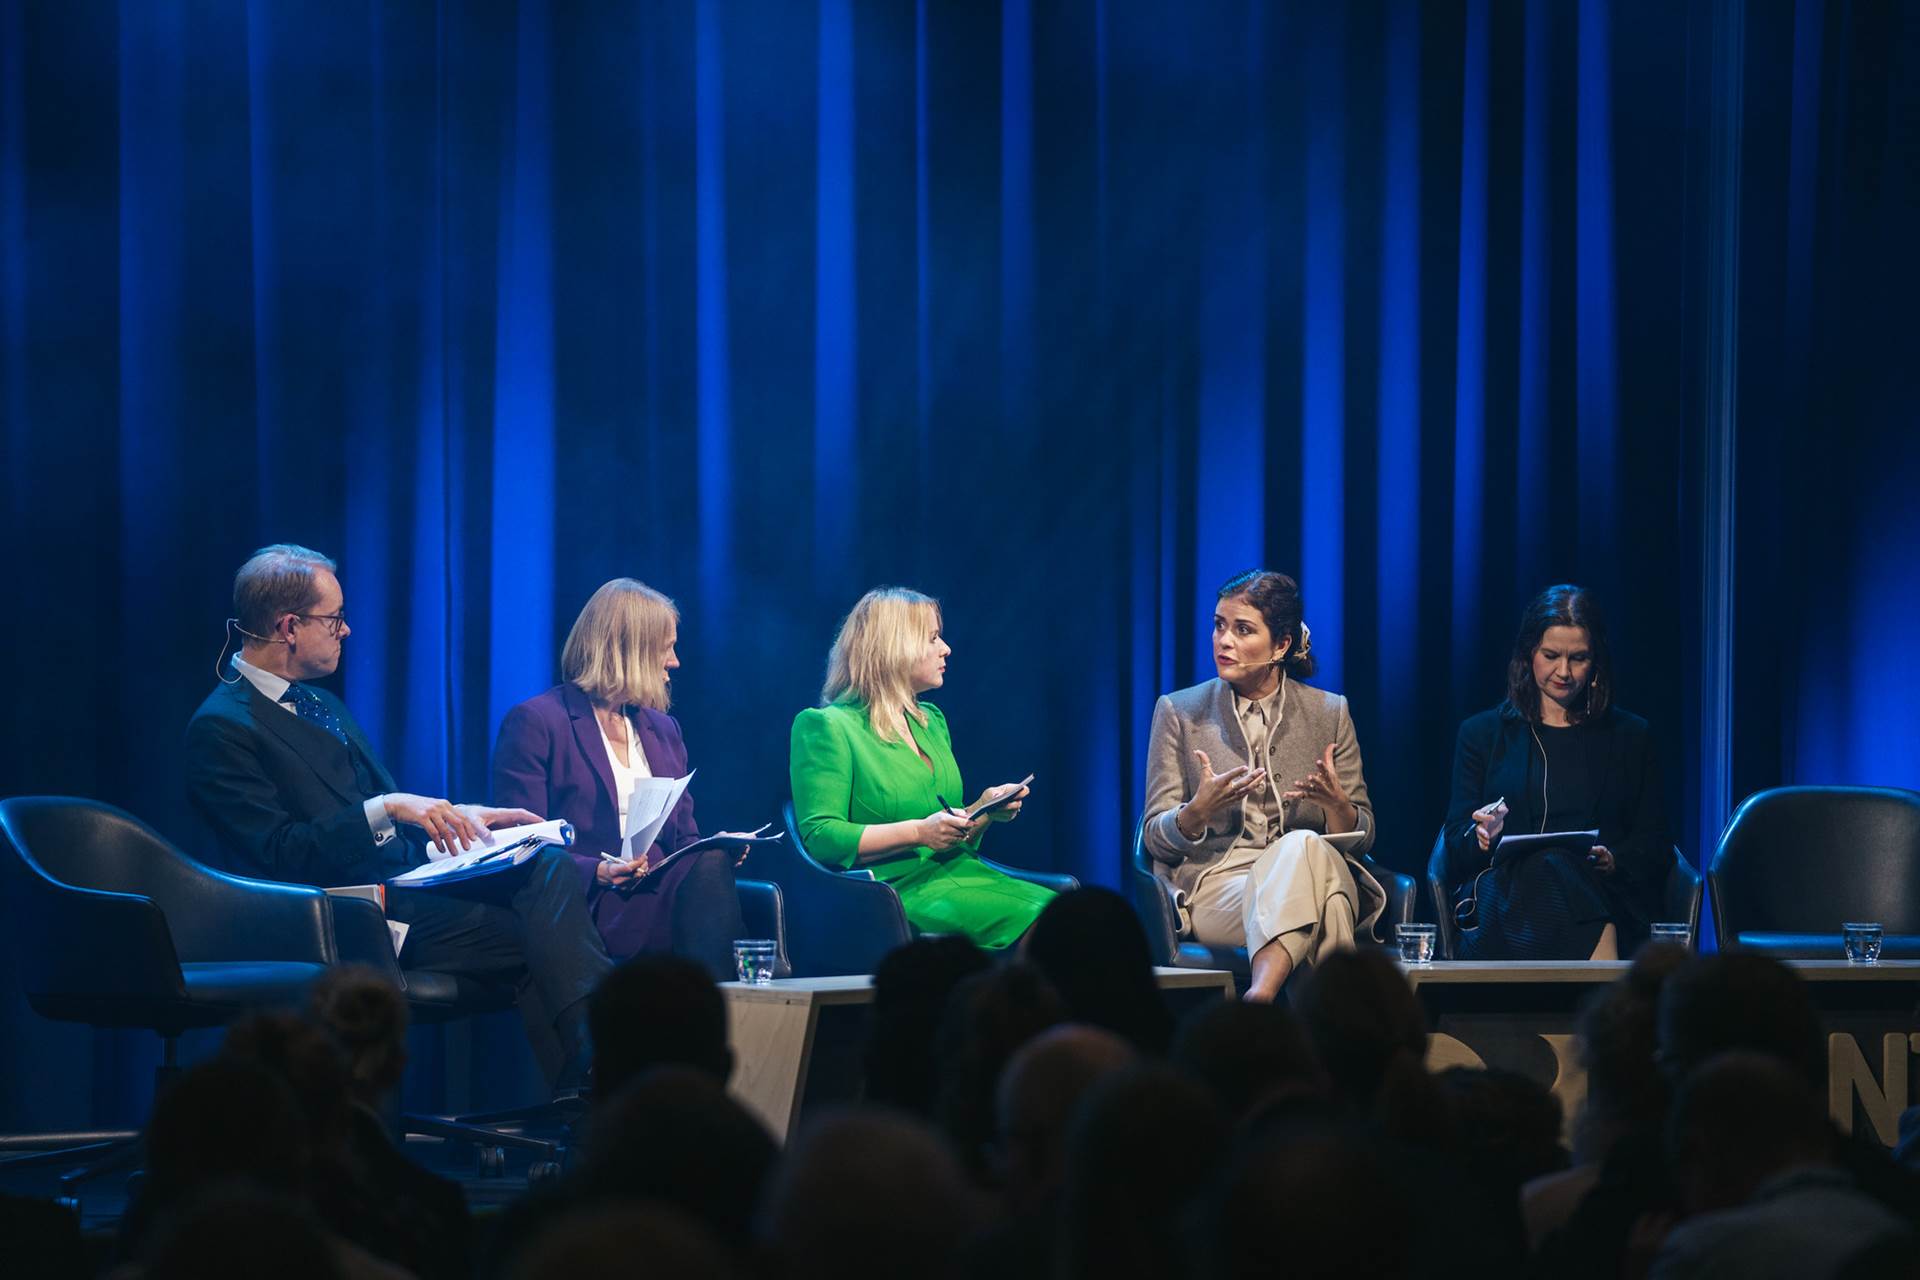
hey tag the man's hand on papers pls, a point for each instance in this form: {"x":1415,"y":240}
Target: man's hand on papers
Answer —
{"x":442,"y":820}
{"x":494,"y":819}
{"x":448,"y":824}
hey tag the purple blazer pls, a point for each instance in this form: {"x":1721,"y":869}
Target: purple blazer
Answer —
{"x":550,"y":758}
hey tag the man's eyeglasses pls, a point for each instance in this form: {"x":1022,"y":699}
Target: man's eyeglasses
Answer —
{"x":333,"y":621}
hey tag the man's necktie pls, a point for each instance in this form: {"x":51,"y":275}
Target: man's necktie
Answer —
{"x":309,"y":706}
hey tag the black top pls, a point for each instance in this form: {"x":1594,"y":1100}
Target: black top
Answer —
{"x":1599,"y":775}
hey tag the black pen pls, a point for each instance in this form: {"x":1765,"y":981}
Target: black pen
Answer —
{"x":949,"y":808}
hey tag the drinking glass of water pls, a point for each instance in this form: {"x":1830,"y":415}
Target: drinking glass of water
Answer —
{"x":1416,"y":942}
{"x":1863,"y":942}
{"x":753,"y":960}
{"x":1677,"y":933}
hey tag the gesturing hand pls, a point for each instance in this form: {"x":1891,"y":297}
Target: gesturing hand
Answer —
{"x":1322,"y":786}
{"x":1218,"y":792}
{"x":943,"y":829}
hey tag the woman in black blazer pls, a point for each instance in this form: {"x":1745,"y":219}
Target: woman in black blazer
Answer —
{"x":1556,"y":755}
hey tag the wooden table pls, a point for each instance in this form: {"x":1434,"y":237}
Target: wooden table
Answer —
{"x":1520,"y":1016}
{"x":799,"y":1043}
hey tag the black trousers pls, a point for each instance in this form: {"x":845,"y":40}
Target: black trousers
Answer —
{"x":527,"y":927}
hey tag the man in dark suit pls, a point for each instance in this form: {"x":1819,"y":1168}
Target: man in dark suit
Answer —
{"x":295,"y":793}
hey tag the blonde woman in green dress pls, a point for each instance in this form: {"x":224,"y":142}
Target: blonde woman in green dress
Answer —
{"x":872,"y":769}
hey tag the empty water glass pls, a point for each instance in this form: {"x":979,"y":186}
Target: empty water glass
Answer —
{"x":1863,"y":942}
{"x":1677,"y":933}
{"x":1416,"y":942}
{"x":753,"y":960}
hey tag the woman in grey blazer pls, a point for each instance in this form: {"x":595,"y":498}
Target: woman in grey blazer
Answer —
{"x":1256,"y":805}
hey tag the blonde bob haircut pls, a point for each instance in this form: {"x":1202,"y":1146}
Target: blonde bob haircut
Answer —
{"x":617,"y":650}
{"x":873,"y":656}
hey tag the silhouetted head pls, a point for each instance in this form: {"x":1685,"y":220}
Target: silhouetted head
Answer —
{"x":609,"y":1241}
{"x":1313,"y":1201}
{"x":673,"y":1134}
{"x":910,"y":992}
{"x":1739,"y":1000}
{"x":868,"y":1194}
{"x":1090,"y":945}
{"x":988,"y":1018}
{"x":234,"y":1231}
{"x":1133,"y":1147}
{"x":1740,"y":1119}
{"x":1372,"y":1039}
{"x":1038,"y":1091}
{"x":367,"y":1015}
{"x":1249,"y":1055}
{"x":656,"y":1011}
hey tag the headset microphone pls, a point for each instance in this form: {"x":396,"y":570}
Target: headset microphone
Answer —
{"x":233,"y":625}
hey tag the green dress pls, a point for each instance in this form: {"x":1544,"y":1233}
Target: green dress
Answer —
{"x":846,"y":778}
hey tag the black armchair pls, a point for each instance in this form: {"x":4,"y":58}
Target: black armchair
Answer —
{"x":1153,"y":903}
{"x":113,"y":926}
{"x":1679,"y":897}
{"x":1795,"y":863}
{"x":843,"y":922}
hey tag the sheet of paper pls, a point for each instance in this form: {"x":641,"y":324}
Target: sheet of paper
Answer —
{"x":397,"y":930}
{"x":653,"y":800}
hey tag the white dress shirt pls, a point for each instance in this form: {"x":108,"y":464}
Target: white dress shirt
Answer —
{"x":624,"y":776}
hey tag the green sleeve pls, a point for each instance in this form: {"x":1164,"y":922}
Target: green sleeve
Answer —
{"x":820,"y":770}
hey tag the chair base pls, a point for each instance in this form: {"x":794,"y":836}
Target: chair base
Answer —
{"x":493,"y":1133}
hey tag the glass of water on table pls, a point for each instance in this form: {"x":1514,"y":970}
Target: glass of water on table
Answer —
{"x":1416,"y":942}
{"x":1862,"y":941}
{"x":753,"y":960}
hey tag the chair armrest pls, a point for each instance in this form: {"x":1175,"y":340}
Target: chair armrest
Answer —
{"x":764,"y":911}
{"x":72,"y":943}
{"x":1399,"y":889}
{"x":1058,"y":881}
{"x":1680,"y":896}
{"x":361,"y":937}
{"x":1153,"y":903}
{"x":1442,"y":896}
{"x":216,"y":916}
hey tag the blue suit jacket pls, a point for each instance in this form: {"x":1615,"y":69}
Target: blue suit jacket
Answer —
{"x":282,"y":795}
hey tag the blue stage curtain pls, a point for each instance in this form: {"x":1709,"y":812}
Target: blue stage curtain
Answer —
{"x":1061,"y":312}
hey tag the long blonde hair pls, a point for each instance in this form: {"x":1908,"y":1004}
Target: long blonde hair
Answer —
{"x":617,"y":649}
{"x":873,"y":656}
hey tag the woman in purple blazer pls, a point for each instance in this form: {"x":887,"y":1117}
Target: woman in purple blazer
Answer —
{"x":575,"y":752}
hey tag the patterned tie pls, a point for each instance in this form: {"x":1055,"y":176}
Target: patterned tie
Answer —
{"x":309,"y":706}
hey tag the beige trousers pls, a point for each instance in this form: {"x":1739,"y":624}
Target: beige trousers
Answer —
{"x":1299,"y":890}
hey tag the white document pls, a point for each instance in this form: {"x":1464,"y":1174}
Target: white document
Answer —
{"x":1344,"y":841}
{"x":508,"y":846}
{"x":397,"y":930}
{"x":653,"y":799}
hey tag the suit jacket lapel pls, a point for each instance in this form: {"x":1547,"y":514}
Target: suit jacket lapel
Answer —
{"x":586,"y":737}
{"x":299,"y":737}
{"x":659,"y":760}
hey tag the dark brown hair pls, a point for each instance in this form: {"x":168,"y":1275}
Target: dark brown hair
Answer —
{"x":1563,"y":605}
{"x":1277,"y":597}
